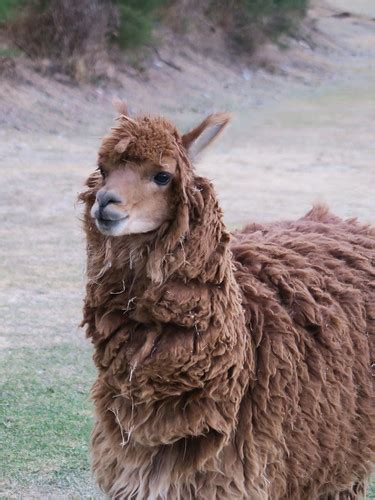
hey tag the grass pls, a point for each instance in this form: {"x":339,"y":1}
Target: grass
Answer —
{"x":46,"y":419}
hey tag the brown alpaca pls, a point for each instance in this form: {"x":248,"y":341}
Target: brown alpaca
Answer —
{"x":229,"y":366}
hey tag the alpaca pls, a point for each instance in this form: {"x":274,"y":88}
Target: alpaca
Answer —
{"x":230,"y":366}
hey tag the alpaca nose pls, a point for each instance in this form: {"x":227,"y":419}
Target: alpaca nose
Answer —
{"x":104,"y":198}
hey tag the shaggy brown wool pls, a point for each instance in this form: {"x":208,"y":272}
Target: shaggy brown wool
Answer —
{"x":229,"y":366}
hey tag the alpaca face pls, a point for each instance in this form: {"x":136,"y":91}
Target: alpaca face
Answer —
{"x":145,"y":171}
{"x":135,"y":197}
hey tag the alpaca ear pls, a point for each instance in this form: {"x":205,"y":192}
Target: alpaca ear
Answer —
{"x":121,"y":106}
{"x":201,"y":136}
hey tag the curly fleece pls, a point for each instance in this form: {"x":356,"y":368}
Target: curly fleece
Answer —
{"x":229,"y":366}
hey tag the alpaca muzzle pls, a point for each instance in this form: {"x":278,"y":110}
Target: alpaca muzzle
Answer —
{"x":105,"y":198}
{"x":108,"y":219}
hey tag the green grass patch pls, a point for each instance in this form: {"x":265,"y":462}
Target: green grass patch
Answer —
{"x":46,"y":421}
{"x":45,"y":416}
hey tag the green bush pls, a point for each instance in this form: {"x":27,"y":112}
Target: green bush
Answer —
{"x":136,"y":20}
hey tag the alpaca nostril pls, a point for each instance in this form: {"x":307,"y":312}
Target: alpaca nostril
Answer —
{"x":104,"y":198}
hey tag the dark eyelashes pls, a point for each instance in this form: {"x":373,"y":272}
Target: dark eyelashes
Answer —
{"x":102,"y":171}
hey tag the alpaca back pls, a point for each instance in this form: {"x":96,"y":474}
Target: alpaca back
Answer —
{"x":309,"y":297}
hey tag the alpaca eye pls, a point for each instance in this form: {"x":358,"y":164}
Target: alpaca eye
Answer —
{"x":162,"y":178}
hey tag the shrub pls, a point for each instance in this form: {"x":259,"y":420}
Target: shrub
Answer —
{"x":72,"y":33}
{"x":136,"y":20}
{"x":251,"y":22}
{"x":75,"y":33}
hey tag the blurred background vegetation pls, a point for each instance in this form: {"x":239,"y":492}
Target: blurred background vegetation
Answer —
{"x":75,"y":35}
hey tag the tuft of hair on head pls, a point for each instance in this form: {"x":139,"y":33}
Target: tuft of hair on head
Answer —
{"x":121,"y":106}
{"x":197,"y":139}
{"x":122,"y":145}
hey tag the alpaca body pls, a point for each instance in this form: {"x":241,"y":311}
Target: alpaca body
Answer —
{"x":231,"y":366}
{"x":305,"y":422}
{"x":309,"y":297}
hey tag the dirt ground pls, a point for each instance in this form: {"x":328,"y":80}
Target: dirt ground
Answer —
{"x":300,"y":134}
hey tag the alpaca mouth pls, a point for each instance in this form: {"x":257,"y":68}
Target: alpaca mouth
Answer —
{"x":110,"y":226}
{"x":106,"y":220}
{"x":103,"y":220}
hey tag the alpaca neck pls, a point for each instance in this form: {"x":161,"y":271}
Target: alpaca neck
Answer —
{"x":171,"y":353}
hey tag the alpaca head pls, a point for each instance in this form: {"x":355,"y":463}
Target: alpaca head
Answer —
{"x":144,"y":172}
